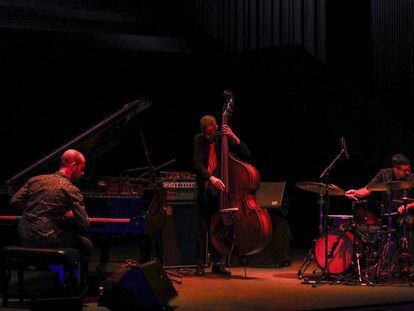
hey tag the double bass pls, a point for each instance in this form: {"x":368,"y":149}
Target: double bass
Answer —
{"x":241,"y":226}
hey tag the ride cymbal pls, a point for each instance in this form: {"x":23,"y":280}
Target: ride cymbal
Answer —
{"x":320,"y":188}
{"x":391,"y":186}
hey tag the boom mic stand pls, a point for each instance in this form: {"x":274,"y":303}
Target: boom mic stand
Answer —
{"x":324,"y":178}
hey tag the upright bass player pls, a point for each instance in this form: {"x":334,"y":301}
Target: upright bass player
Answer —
{"x":206,"y":158}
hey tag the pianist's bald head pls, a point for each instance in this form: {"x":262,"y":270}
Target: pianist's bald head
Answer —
{"x":72,"y":163}
{"x":70,"y":156}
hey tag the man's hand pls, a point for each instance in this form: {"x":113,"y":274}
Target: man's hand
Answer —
{"x":69,"y":214}
{"x":401,"y":209}
{"x":217,"y":183}
{"x":226,"y":130}
{"x":351,"y":194}
{"x":358,"y":194}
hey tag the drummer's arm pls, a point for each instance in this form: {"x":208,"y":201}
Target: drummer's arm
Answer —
{"x":364,"y":192}
{"x":358,"y":194}
{"x":410,"y":207}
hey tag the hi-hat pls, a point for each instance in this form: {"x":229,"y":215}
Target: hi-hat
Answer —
{"x":320,"y":188}
{"x":391,"y":186}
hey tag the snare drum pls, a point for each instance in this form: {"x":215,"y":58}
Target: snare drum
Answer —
{"x":341,"y":222}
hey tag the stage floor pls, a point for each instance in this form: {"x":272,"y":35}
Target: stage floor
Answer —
{"x":273,"y":289}
{"x":279,"y":289}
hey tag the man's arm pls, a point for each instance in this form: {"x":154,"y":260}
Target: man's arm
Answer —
{"x":358,"y":193}
{"x":200,"y":168}
{"x":410,"y":208}
{"x":236,"y":145}
{"x":240,"y":149}
{"x":198,"y":159}
{"x":364,"y":192}
{"x":77,"y":214}
{"x":19,"y":199}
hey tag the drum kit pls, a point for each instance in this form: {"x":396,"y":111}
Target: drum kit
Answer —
{"x":366,"y":248}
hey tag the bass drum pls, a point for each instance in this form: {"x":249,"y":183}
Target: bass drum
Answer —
{"x":341,"y":258}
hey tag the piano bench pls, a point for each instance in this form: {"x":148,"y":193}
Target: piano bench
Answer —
{"x":63,"y":265}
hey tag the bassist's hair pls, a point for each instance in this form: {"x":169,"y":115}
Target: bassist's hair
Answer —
{"x":207,"y":120}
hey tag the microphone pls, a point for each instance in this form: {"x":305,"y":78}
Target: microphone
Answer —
{"x":344,"y":148}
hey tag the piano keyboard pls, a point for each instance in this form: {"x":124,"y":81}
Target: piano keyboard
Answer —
{"x":94,"y":220}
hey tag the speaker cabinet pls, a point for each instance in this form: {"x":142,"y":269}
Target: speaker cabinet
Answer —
{"x":179,"y":237}
{"x":273,"y":197}
{"x":146,"y":287}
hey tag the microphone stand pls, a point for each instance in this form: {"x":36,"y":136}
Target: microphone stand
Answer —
{"x":146,"y":168}
{"x":324,"y":178}
{"x":149,"y":169}
{"x":157,"y":168}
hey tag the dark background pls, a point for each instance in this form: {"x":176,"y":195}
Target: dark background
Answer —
{"x":291,"y":107}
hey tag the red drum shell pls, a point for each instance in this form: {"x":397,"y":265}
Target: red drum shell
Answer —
{"x":343,"y":255}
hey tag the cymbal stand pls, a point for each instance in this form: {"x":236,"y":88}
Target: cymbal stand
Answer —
{"x":386,"y":264}
{"x":310,"y":256}
{"x":361,"y":279}
{"x":405,"y":260}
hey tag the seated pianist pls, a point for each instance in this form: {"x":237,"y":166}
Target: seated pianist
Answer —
{"x":53,"y":211}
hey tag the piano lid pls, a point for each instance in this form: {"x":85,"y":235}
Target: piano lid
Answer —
{"x":94,"y":141}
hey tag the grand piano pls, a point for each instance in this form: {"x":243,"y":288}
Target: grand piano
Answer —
{"x":115,"y":204}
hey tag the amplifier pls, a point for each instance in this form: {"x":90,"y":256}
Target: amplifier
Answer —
{"x":177,"y":175}
{"x":273,"y":195}
{"x":179,"y":236}
{"x":181,"y":186}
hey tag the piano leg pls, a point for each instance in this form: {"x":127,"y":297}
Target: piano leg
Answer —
{"x":145,"y":246}
{"x":104,"y":243}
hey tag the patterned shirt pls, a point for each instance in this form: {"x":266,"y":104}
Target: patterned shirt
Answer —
{"x":45,"y":199}
{"x":387,"y":175}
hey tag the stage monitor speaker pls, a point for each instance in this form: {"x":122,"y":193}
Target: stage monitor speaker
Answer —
{"x":146,"y":287}
{"x":179,"y":237}
{"x":273,"y":195}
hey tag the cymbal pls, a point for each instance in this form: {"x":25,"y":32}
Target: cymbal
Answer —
{"x":391,"y":185}
{"x":403,"y":199}
{"x":320,"y":188}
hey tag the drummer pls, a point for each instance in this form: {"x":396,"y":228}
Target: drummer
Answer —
{"x":400,"y":171}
